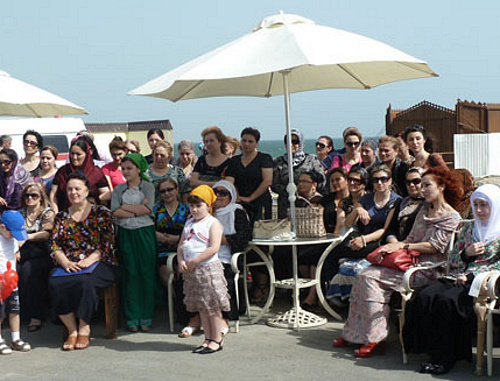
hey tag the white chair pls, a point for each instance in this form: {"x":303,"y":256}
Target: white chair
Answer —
{"x":485,"y":306}
{"x":170,"y":291}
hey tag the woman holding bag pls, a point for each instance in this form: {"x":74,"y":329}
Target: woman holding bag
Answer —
{"x":373,"y":287}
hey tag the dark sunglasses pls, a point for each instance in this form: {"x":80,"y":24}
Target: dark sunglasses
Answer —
{"x":382,"y":179}
{"x":5,"y":162}
{"x":355,"y":180}
{"x":414,"y":182}
{"x":165,"y":190}
{"x":34,"y":196}
{"x":352,"y":144}
{"x":320,"y":145}
{"x":295,"y":141}
{"x":30,"y":143}
{"x":221,"y":193}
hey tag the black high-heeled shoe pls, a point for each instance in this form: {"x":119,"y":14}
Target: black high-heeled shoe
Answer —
{"x":207,"y":350}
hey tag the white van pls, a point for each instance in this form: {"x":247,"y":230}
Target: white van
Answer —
{"x":55,"y":131}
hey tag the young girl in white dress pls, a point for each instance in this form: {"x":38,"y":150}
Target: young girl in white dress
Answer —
{"x":205,"y":287}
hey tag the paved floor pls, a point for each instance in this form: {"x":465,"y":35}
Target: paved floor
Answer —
{"x":258,"y":352}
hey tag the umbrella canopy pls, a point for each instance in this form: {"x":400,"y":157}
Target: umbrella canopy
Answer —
{"x":286,"y":54}
{"x":319,"y":57}
{"x":18,"y":98}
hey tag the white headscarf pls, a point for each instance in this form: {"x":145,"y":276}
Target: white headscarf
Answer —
{"x":225,"y":215}
{"x":489,"y":230}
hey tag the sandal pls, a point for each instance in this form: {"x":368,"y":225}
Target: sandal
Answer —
{"x":188,"y":331}
{"x":34,"y":327}
{"x":69,"y":344}
{"x":83,"y":342}
{"x":20,"y":346}
{"x":224,"y":331}
{"x":4,"y":349}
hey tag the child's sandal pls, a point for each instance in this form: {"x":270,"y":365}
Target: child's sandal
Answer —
{"x":21,"y":346}
{"x":4,"y":349}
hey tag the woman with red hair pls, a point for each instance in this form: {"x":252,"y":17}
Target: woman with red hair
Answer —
{"x":374,"y":286}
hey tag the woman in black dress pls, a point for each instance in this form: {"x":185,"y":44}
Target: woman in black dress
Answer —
{"x":252,"y":175}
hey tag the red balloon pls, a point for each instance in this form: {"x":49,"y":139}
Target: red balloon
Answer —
{"x":8,"y":282}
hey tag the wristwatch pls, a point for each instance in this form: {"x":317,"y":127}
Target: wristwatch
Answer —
{"x":406,"y":246}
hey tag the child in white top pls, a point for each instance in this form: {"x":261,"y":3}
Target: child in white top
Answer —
{"x":12,"y":228}
{"x":205,"y":287}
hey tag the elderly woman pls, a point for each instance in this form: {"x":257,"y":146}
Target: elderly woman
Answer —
{"x":211,"y":167}
{"x":187,"y":157}
{"x":83,"y":249}
{"x":80,"y":159}
{"x":252,"y":175}
{"x":352,"y":156}
{"x":301,"y":162}
{"x":13,"y":178}
{"x":35,"y":263}
{"x":236,"y":235}
{"x":367,"y":323}
{"x":161,"y":169}
{"x":440,"y":317}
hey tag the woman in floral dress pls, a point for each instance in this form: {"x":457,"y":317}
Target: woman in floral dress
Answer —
{"x":82,"y":247}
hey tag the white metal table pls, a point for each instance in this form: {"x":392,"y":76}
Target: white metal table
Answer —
{"x":296,"y":317}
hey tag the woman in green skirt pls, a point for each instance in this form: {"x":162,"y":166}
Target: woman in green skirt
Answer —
{"x":132,"y":205}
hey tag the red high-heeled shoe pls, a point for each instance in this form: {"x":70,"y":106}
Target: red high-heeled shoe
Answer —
{"x":369,"y":350}
{"x":340,"y":342}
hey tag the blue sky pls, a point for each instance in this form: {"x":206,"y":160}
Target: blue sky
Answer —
{"x":93,"y":52}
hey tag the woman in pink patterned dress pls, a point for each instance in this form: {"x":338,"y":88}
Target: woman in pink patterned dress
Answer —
{"x":367,"y":323}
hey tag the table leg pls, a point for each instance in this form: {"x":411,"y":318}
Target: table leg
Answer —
{"x":319,"y":268}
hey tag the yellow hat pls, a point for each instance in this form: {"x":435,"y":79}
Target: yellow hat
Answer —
{"x":206,"y":194}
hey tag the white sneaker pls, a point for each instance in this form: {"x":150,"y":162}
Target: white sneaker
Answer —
{"x":4,"y":349}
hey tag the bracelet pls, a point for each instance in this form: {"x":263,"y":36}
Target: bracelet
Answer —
{"x":406,"y":247}
{"x":364,"y":240}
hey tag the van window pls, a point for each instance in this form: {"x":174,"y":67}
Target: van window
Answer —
{"x":58,"y":141}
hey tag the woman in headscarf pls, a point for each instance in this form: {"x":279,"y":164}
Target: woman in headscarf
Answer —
{"x":80,"y":159}
{"x":439,"y":320}
{"x":13,"y":178}
{"x":132,"y":206}
{"x":237,"y":232}
{"x":301,"y":162}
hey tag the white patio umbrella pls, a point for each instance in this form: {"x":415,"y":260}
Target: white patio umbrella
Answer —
{"x":18,"y":98}
{"x":285,"y":54}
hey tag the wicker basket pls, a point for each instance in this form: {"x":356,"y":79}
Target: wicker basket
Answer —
{"x":309,"y":221}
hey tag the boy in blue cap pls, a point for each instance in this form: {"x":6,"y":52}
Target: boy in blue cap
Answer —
{"x":12,"y":229}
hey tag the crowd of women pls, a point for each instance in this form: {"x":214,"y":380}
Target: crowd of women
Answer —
{"x":127,"y":217}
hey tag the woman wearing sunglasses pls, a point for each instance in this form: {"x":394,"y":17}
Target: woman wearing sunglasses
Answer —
{"x":13,"y":178}
{"x":367,"y":323}
{"x":352,"y":156}
{"x":370,"y":219}
{"x":35,"y":263}
{"x":301,"y":162}
{"x":32,"y":143}
{"x":324,"y":146}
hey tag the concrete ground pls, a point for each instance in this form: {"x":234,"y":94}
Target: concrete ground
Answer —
{"x":258,"y":352}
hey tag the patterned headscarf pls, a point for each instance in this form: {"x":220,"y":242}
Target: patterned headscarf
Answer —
{"x":299,"y":156}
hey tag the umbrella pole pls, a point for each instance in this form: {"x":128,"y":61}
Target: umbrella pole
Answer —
{"x":291,"y":188}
